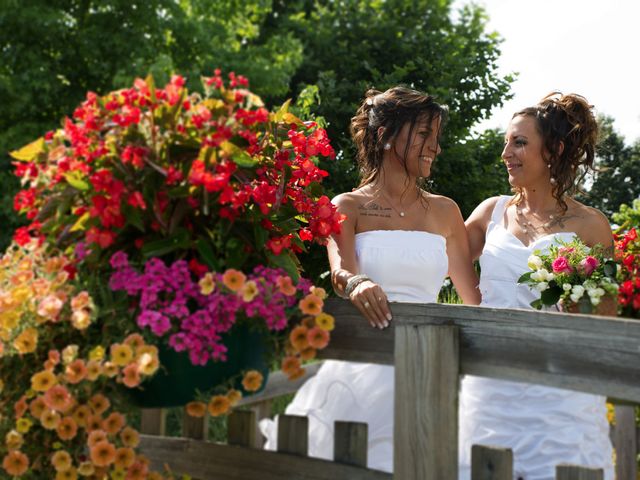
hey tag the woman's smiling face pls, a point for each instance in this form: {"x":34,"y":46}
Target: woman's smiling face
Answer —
{"x":523,"y":153}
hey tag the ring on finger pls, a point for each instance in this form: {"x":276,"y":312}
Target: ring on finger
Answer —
{"x":379,"y":299}
{"x":366,"y":304}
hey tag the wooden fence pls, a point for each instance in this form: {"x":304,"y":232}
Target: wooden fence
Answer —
{"x":431,"y":346}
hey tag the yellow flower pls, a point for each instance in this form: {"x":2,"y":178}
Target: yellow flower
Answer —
{"x":50,"y":307}
{"x":109,"y":369}
{"x":150,"y":349}
{"x":93,"y":370}
{"x":207,"y":284}
{"x":80,"y":319}
{"x":311,"y":305}
{"x":43,"y":381}
{"x":97,"y":353}
{"x":50,"y":419}
{"x":148,"y":364}
{"x":249,"y":291}
{"x":130,"y":437}
{"x":10,"y":319}
{"x":23,"y":425}
{"x":13,"y":440}
{"x":325,"y":321}
{"x":125,"y":457}
{"x":234,"y":396}
{"x":61,"y":461}
{"x":121,"y":354}
{"x":81,"y":415}
{"x":233,"y":279}
{"x":252,"y":381}
{"x":86,"y":469}
{"x":70,"y":474}
{"x":27,"y":341}
{"x":134,"y":340}
{"x":218,"y":405}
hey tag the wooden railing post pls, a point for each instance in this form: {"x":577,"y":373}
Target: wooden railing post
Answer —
{"x":293,"y":434}
{"x":351,"y":443}
{"x":625,"y":442}
{"x":575,"y":472}
{"x":491,"y":463}
{"x":426,"y":402}
{"x":152,"y":421}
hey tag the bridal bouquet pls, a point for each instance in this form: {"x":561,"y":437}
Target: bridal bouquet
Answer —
{"x":580,"y":278}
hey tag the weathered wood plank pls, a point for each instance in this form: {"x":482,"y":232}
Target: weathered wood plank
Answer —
{"x":351,"y":443}
{"x":426,"y":402}
{"x":578,"y":352}
{"x":152,"y":421}
{"x":241,"y":428}
{"x":261,"y":410}
{"x":491,"y":463}
{"x":213,"y":461}
{"x":576,"y":472}
{"x":195,"y":427}
{"x":293,"y":434}
{"x":278,"y":384}
{"x":624,"y":441}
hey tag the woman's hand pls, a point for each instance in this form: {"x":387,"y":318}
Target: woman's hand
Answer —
{"x":369,"y":298}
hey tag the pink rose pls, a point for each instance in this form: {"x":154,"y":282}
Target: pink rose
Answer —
{"x":566,"y":250}
{"x":561,"y":265}
{"x":588,"y":265}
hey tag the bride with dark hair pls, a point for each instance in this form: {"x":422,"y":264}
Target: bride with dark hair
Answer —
{"x":398,"y":243}
{"x":546,"y":149}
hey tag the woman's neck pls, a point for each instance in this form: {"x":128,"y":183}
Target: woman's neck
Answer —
{"x":396,"y":185}
{"x":538,"y":199}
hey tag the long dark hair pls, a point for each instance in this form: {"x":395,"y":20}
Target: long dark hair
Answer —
{"x":567,"y":120}
{"x":391,"y":110}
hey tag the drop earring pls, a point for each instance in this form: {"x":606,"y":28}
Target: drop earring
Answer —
{"x":552,"y":180}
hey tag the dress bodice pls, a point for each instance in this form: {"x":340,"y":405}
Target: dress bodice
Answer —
{"x":409,"y":265}
{"x":504,"y":259}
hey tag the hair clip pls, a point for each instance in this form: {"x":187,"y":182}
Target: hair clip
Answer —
{"x":369,"y":101}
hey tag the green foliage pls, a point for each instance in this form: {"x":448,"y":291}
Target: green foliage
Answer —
{"x":616,"y":182}
{"x":628,"y":216}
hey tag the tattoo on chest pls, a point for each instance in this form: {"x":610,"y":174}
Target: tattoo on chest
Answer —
{"x":560,"y":222}
{"x":372,"y":209}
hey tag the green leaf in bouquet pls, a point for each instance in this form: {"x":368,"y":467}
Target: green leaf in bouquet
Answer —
{"x":151,"y":84}
{"x":76,"y":180}
{"x":208,"y":155}
{"x":207,"y":253}
{"x":525,"y":277}
{"x":80,"y":223}
{"x":235,"y":254}
{"x":180,"y":240}
{"x":29,"y":152}
{"x":315,"y":189}
{"x":551,"y":295}
{"x":260,"y":235}
{"x":244,"y":160}
{"x":537,"y":304}
{"x":287,"y":262}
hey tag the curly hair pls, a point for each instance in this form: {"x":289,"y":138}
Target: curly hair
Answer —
{"x":569,"y":133}
{"x":391,"y":110}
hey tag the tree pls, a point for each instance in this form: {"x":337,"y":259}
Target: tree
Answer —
{"x":618,"y":168}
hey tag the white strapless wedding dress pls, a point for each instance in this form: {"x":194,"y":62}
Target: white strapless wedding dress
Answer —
{"x":543,"y":426}
{"x":410,"y":266}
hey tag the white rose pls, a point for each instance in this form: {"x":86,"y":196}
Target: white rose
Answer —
{"x":577,"y":290}
{"x":595,"y":300}
{"x":535,"y":276}
{"x":575,"y":298}
{"x":600,"y":291}
{"x":566,"y":287}
{"x":550,"y":276}
{"x":542,"y":286}
{"x":534,"y":262}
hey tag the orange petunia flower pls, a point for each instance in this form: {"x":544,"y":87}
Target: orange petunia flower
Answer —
{"x":318,"y":292}
{"x":99,"y":403}
{"x":13,"y":440}
{"x":297,"y":374}
{"x":43,"y":381}
{"x":71,"y":474}
{"x":81,"y":300}
{"x":102,"y":454}
{"x":299,"y":337}
{"x":196,"y":409}
{"x":94,"y":422}
{"x":233,"y":279}
{"x":285,"y":285}
{"x":138,"y":471}
{"x":125,"y":457}
{"x":58,"y":398}
{"x":113,"y":423}
{"x":86,"y":469}
{"x":311,"y":305}
{"x":61,"y":461}
{"x":308,"y":353}
{"x":130,"y":437}
{"x":318,"y":338}
{"x":96,"y":436}
{"x":109,"y":369}
{"x":20,"y":406}
{"x":94,"y":369}
{"x":67,"y":428}
{"x":37,"y":406}
{"x":81,"y":415}
{"x":131,"y":375}
{"x":15,"y":463}
{"x":148,"y":364}
{"x":252,"y":381}
{"x":134,"y":340}
{"x":218,"y":405}
{"x":290,"y":364}
{"x":27,"y":341}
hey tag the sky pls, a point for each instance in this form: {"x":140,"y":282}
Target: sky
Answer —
{"x":590,"y":47}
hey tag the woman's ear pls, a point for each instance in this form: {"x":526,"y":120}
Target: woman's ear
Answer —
{"x":560,"y":147}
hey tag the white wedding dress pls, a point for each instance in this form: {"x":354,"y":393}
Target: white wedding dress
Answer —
{"x":410,"y":266}
{"x":544,"y":426}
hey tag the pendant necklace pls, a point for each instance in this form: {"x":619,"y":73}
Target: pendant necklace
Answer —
{"x":399,"y":212}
